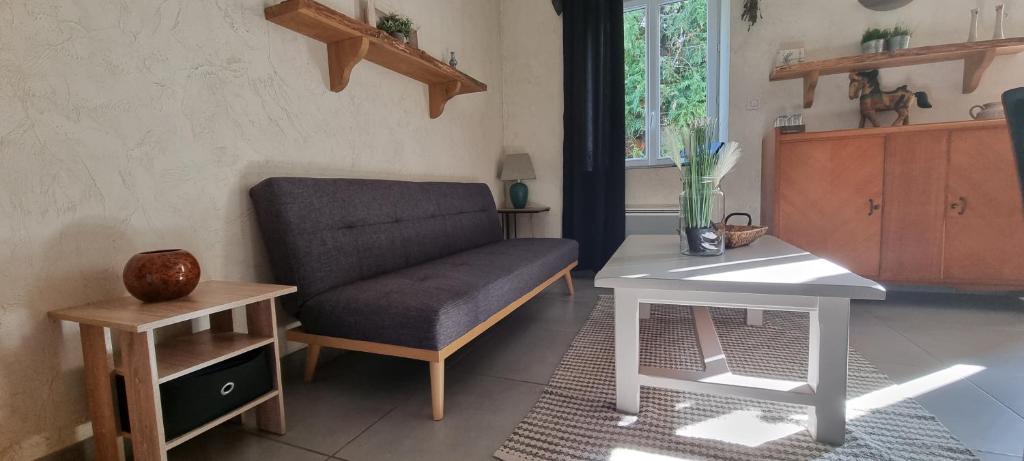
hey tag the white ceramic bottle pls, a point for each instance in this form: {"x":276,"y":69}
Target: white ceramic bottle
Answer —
{"x":999,"y":34}
{"x":973,"y":35}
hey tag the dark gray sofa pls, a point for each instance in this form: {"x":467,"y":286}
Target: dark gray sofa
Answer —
{"x":399,"y":268}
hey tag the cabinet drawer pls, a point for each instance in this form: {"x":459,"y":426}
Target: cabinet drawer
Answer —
{"x":201,"y":396}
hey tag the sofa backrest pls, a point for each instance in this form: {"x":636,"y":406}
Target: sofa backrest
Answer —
{"x":323,"y":233}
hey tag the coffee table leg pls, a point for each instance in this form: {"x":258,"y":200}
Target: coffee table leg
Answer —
{"x":755,"y":317}
{"x":829,"y":343}
{"x":627,"y":351}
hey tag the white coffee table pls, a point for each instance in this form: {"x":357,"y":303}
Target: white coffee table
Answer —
{"x":767,"y":275}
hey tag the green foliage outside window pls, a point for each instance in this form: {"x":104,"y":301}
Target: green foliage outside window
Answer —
{"x":683,"y":57}
{"x":636,"y":82}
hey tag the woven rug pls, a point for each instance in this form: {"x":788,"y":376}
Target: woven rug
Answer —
{"x":575,"y":418}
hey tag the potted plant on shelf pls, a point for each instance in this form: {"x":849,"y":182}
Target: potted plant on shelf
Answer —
{"x":702,"y":161}
{"x":899,"y":38}
{"x":396,"y":25}
{"x":873,"y":40}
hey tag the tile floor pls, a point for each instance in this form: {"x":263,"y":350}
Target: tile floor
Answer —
{"x":364,"y":407}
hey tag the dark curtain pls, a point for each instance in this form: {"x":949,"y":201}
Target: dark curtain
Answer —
{"x":1013,"y":104}
{"x":594,"y":167}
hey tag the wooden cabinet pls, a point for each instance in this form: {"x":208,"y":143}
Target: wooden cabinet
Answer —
{"x":928,"y":204}
{"x":829,"y":197}
{"x":984,"y":217}
{"x":915,"y":205}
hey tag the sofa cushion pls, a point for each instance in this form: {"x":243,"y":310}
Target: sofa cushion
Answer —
{"x":429,"y":305}
{"x":322,"y":233}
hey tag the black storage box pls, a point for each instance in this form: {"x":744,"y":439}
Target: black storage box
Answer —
{"x":203,"y":395}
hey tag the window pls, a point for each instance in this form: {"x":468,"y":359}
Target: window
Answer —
{"x":685,"y":55}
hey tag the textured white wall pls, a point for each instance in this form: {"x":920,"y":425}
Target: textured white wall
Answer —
{"x":140,"y":125}
{"x":128,"y":126}
{"x":531,"y":63}
{"x":829,"y":29}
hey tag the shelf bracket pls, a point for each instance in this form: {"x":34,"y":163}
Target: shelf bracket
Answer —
{"x":810,"y":84}
{"x":342,"y":56}
{"x":440,"y":93}
{"x":975,"y":65}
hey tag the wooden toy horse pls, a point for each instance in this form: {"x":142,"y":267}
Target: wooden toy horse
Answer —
{"x":873,"y":99}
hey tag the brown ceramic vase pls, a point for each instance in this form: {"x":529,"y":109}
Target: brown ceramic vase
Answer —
{"x":161,"y":275}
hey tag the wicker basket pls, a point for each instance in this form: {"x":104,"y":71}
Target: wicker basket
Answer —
{"x":738,"y":236}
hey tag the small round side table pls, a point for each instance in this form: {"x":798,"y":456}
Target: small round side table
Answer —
{"x":509,"y":217}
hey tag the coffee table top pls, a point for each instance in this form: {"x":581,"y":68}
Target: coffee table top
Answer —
{"x":767,"y":266}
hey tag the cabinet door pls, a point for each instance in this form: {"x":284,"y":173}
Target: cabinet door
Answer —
{"x":984,"y":220}
{"x":915,"y":206}
{"x":802,"y":181}
{"x":826,"y":191}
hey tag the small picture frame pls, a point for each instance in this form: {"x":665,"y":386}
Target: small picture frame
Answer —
{"x":790,"y":123}
{"x":790,"y":57}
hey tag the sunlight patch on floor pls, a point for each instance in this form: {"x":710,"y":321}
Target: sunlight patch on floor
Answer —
{"x":910,"y":389}
{"x":627,"y":420}
{"x":750,"y":427}
{"x":744,"y":427}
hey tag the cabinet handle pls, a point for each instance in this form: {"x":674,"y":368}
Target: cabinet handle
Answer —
{"x":873,"y":207}
{"x":960,"y":205}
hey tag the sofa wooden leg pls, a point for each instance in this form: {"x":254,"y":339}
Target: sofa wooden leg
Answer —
{"x":437,"y":389}
{"x":568,"y":283}
{"x":312,"y":355}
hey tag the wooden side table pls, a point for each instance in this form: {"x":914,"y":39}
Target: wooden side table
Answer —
{"x":145,"y":365}
{"x":509,"y":217}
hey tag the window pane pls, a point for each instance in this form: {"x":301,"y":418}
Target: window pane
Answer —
{"x":684,"y":62}
{"x":636,"y":83}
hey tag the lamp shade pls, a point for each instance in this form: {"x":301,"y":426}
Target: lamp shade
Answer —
{"x":517,"y":166}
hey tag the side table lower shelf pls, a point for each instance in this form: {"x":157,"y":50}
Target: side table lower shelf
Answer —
{"x":181,"y":356}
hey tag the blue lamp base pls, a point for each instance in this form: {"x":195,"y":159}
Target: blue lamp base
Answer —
{"x":518,"y":193}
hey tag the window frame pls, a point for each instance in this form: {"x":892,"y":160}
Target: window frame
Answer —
{"x":717,"y":73}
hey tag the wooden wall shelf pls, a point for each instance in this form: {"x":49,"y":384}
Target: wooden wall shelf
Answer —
{"x":977,"y":56}
{"x":350,"y":41}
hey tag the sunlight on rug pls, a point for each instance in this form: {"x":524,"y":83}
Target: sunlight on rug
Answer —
{"x":575,"y":417}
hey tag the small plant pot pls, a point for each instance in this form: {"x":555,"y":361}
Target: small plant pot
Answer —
{"x":873,"y":46}
{"x":400,"y":36}
{"x":703,"y":241}
{"x":899,"y":42}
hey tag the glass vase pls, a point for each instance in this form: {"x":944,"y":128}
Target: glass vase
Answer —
{"x":701,"y":206}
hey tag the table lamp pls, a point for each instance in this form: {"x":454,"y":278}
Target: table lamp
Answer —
{"x":517,"y":167}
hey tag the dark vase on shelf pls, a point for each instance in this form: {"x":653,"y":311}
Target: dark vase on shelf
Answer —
{"x":162,"y":275}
